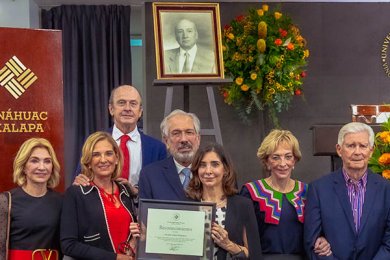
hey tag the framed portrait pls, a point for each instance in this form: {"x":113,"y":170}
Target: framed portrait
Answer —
{"x":188,"y":40}
{"x":175,"y":230}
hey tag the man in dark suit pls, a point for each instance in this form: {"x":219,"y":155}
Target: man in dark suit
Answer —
{"x":166,"y":179}
{"x":189,"y":57}
{"x":125,"y":106}
{"x":351,"y":206}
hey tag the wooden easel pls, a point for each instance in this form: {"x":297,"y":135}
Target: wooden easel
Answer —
{"x":186,"y":83}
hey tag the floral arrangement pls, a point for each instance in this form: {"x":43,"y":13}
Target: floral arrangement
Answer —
{"x":265,"y":55}
{"x":380,"y":159}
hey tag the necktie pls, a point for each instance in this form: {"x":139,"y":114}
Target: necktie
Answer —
{"x":187,"y":177}
{"x":186,"y":67}
{"x":126,"y":156}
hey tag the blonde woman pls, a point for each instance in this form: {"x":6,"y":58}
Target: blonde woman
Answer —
{"x":34,"y":207}
{"x":96,"y":218}
{"x":279,"y":200}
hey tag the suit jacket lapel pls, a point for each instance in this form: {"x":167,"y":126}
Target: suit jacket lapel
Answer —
{"x":172,"y":177}
{"x":342,"y":195}
{"x":369,"y":199}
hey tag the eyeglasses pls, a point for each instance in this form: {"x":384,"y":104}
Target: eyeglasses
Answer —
{"x":179,"y":133}
{"x":278,"y":158}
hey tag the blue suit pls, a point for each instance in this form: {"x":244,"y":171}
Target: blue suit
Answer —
{"x":161,"y":181}
{"x":328,"y":213}
{"x":152,"y":150}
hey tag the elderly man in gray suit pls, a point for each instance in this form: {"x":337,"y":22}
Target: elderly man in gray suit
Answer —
{"x":190,"y":57}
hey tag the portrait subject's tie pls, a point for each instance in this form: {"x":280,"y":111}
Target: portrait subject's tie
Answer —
{"x":187,"y":177}
{"x":186,"y":67}
{"x":126,"y":156}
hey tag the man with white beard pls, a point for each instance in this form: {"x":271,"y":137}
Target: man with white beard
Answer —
{"x":167,"y":179}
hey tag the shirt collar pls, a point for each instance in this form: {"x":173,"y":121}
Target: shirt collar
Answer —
{"x":349,"y":180}
{"x":117,"y":134}
{"x":191,"y":51}
{"x":180,"y":167}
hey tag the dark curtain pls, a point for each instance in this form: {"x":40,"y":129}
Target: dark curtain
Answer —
{"x":96,"y":58}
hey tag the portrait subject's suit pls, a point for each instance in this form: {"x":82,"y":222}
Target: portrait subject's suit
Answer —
{"x":160,"y":180}
{"x":328,"y":213}
{"x":204,"y":61}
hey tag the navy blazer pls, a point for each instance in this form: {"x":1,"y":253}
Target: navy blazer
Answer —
{"x":84,"y":230}
{"x":160,"y":180}
{"x":240,"y":215}
{"x":152,"y":150}
{"x":328,"y":213}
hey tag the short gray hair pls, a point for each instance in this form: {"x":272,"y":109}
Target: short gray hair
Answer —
{"x":356,"y":127}
{"x":164,"y":127}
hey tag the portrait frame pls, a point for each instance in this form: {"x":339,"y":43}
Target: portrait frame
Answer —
{"x":162,"y":214}
{"x":207,"y":63}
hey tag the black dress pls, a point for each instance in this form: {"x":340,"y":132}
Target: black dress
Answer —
{"x":35,"y":221}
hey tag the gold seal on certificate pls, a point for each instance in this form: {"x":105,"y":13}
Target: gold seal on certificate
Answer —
{"x":175,"y":230}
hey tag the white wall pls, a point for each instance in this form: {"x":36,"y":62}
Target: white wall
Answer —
{"x":19,"y":14}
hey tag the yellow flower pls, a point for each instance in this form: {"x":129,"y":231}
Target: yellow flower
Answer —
{"x":384,"y":159}
{"x":239,"y":81}
{"x":260,"y":12}
{"x":265,"y":8}
{"x":306,"y":53}
{"x":253,"y":76}
{"x":262,"y":30}
{"x":230,"y":36}
{"x":261,"y":45}
{"x":386,"y":174}
{"x":291,"y":74}
{"x":271,"y":91}
{"x":250,"y":58}
{"x":244,"y":87}
{"x":277,"y":15}
{"x":224,"y":48}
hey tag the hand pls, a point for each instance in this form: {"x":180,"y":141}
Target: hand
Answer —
{"x":82,"y":180}
{"x":124,"y":181}
{"x":124,"y":257}
{"x":135,"y":230}
{"x":322,"y":247}
{"x":220,"y":236}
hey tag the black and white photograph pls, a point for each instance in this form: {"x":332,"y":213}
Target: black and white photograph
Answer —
{"x":187,"y":38}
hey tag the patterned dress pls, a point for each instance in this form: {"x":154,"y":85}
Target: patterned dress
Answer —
{"x":280,"y":216}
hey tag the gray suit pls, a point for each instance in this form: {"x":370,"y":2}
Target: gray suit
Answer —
{"x":204,"y":61}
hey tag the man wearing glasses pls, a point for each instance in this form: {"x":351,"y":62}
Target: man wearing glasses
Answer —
{"x":351,"y":206}
{"x":167,"y":179}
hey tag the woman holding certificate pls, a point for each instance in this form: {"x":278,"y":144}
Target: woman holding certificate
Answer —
{"x":95,"y":219}
{"x":235,"y":229}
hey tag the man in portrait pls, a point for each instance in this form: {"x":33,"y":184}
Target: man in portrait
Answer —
{"x":190,"y":57}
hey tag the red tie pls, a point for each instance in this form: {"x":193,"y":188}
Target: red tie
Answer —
{"x":126,"y":156}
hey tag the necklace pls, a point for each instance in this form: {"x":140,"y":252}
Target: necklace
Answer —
{"x":110,"y":197}
{"x":218,"y":204}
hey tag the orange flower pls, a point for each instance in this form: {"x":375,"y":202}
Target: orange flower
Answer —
{"x":265,"y":8}
{"x":386,"y":174}
{"x":244,"y":87}
{"x":290,"y":46}
{"x":385,"y":136}
{"x":384,"y":159}
{"x":260,"y":12}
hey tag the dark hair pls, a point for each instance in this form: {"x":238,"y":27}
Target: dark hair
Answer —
{"x":229,"y":182}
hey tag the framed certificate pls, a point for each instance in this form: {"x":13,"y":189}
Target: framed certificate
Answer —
{"x":175,"y":230}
